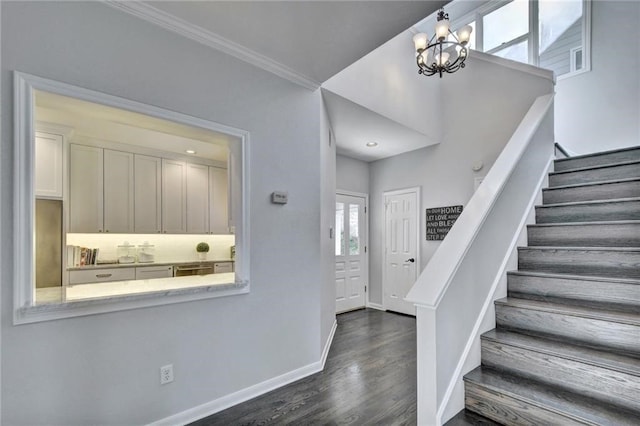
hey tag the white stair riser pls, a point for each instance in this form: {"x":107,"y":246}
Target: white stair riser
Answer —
{"x":613,"y":386}
{"x":621,"y":336}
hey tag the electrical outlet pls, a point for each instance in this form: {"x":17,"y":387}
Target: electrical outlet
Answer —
{"x":166,"y":374}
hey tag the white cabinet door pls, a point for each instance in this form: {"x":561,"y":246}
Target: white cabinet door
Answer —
{"x":197,"y":199}
{"x":174,"y":196}
{"x":150,"y":272}
{"x":147,"y":194}
{"x":218,"y":201}
{"x":85,"y":189}
{"x":48,"y":161}
{"x":118,"y":191}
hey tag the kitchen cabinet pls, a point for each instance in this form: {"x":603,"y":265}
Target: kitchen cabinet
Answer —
{"x":100,"y":190}
{"x":85,"y":188}
{"x":218,"y":201}
{"x":118,"y":191}
{"x":101,"y":275}
{"x":222,"y":267}
{"x":150,"y":272}
{"x":174,"y":196}
{"x":197,"y":199}
{"x":49,"y":168}
{"x":147,"y":202}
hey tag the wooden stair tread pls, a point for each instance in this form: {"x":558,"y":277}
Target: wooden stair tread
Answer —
{"x":575,"y":277}
{"x":600,"y":357}
{"x":580,"y":203}
{"x":569,"y":248}
{"x":595,"y":167}
{"x":573,"y":406}
{"x":598,"y":154}
{"x":631,"y":316}
{"x":589,"y":184}
{"x":591,"y":223}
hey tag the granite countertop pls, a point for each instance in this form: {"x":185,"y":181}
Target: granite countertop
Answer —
{"x":113,"y":289}
{"x":143,"y":264}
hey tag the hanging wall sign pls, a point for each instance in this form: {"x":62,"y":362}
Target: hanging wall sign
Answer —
{"x":440,"y":220}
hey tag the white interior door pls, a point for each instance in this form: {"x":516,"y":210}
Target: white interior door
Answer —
{"x":351,"y":257}
{"x":401,"y":248}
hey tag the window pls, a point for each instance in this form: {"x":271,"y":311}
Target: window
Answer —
{"x":552,"y":34}
{"x":102,"y":180}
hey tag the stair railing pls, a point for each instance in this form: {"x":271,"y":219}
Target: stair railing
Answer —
{"x":456,"y":288}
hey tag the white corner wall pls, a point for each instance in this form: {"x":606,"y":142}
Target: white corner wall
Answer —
{"x":103,"y":369}
{"x":483,"y":104}
{"x":600,"y":110}
{"x":352,"y":175}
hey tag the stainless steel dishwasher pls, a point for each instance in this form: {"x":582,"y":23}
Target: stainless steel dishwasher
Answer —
{"x":201,"y":268}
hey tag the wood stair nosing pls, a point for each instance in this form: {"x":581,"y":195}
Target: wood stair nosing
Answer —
{"x":619,"y":331}
{"x":510,"y":399}
{"x":605,"y":157}
{"x":620,"y":188}
{"x":575,"y":289}
{"x":617,"y":262}
{"x":589,"y":211}
{"x":585,"y":234}
{"x":599,"y":173}
{"x":570,"y":367}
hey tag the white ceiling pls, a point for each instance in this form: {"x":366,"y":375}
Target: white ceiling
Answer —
{"x":357,"y":125}
{"x":315,"y":39}
{"x":306,"y":42}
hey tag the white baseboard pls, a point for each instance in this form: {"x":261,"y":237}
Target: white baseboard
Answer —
{"x":327,"y":344}
{"x":217,"y":405}
{"x":375,"y":306}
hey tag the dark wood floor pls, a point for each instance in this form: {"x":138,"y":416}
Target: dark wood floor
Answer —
{"x":369,"y":378}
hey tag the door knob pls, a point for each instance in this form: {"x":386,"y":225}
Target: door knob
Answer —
{"x":410,"y":260}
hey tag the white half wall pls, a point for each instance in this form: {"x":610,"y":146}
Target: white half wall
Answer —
{"x":104,"y":369}
{"x":600,"y":110}
{"x":483,"y":105}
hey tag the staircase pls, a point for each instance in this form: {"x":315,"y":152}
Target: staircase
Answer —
{"x":566,"y":348}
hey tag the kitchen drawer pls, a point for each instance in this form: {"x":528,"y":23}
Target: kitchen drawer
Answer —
{"x":149,"y":272}
{"x":101,"y":275}
{"x":222,"y":267}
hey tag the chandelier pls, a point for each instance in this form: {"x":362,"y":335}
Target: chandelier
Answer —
{"x":447,"y":53}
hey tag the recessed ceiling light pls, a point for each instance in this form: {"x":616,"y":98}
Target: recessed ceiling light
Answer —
{"x":190,"y":151}
{"x":372,"y":144}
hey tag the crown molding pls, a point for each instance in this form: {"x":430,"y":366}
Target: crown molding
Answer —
{"x":179,"y":26}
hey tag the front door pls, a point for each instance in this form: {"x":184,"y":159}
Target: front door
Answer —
{"x":401,"y":248}
{"x":351,"y":265}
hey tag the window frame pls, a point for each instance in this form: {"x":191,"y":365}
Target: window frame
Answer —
{"x":533,"y":35}
{"x":24,"y":309}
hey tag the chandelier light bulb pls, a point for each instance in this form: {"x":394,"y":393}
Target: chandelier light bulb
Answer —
{"x":442,"y":29}
{"x":420,"y":41}
{"x":464,"y":34}
{"x":441,"y":59}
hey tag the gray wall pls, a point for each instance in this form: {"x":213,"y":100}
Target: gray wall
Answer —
{"x":482,"y":106}
{"x":557,"y":56}
{"x":600,"y":109}
{"x":352,"y":175}
{"x":104,"y":368}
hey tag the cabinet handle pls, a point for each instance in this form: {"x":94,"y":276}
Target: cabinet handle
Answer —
{"x":99,"y":230}
{"x":103,"y":275}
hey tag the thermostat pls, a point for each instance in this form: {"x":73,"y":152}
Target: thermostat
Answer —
{"x":279,"y":197}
